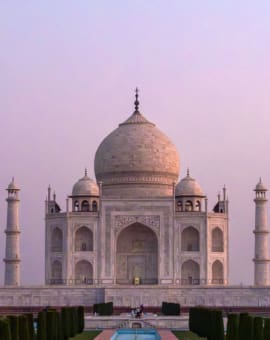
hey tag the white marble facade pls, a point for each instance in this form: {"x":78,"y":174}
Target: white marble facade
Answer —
{"x":136,"y":221}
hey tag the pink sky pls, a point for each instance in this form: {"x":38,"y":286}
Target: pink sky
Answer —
{"x":68,"y":73}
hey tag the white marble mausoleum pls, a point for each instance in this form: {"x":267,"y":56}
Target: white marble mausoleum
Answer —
{"x":137,"y":223}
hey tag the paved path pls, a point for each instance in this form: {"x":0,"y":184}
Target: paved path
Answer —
{"x":165,"y":334}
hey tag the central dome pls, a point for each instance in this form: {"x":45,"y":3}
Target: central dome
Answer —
{"x":137,"y":159}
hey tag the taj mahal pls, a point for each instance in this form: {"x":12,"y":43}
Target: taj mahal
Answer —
{"x":136,"y":233}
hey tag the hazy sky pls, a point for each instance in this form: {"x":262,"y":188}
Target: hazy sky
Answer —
{"x":68,"y":73}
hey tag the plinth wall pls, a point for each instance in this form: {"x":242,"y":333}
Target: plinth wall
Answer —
{"x":134,"y":296}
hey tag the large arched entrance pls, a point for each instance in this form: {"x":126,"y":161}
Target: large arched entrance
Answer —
{"x":137,"y":255}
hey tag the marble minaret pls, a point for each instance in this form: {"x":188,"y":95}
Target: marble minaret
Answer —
{"x":12,"y":259}
{"x":261,"y":259}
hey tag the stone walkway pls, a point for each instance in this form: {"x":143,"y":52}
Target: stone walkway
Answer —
{"x":165,"y":334}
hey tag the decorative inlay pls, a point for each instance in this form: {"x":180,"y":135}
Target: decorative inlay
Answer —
{"x":125,"y":220}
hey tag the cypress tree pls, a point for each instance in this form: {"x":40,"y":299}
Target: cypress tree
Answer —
{"x":51,"y":325}
{"x":232,"y":327}
{"x":65,"y":322}
{"x":242,"y":326}
{"x":258,"y":328}
{"x":42,"y":326}
{"x":14,"y":326}
{"x":30,"y":320}
{"x":5,"y":333}
{"x":249,"y":328}
{"x":266,"y":331}
{"x":81,"y":318}
{"x":23,"y":328}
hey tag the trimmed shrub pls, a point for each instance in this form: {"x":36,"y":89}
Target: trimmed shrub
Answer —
{"x":5,"y":333}
{"x":103,"y":308}
{"x":242,"y":326}
{"x":169,"y":308}
{"x":51,"y":325}
{"x":59,"y":330}
{"x":217,"y":327}
{"x":42,"y":326}
{"x":14,"y":326}
{"x":258,"y":328}
{"x":266,"y":331}
{"x":81,"y":318}
{"x":23,"y":328}
{"x":30,"y":320}
{"x":232,"y":327}
{"x":66,"y":322}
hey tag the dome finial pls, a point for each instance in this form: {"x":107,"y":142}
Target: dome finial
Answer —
{"x":187,"y":172}
{"x":136,"y":103}
{"x":85,"y":172}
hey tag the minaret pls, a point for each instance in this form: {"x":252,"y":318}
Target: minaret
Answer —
{"x":12,"y":259}
{"x":261,"y":259}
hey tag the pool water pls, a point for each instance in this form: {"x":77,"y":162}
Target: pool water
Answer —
{"x":136,"y":334}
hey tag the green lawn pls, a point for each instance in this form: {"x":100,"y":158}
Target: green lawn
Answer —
{"x":186,"y":335}
{"x":87,"y":335}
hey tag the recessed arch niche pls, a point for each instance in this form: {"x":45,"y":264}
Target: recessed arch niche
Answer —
{"x":137,"y":255}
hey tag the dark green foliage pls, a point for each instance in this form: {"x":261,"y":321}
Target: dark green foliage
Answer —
{"x":73,"y":326}
{"x":103,"y":308}
{"x":232,"y":327}
{"x":258,"y":328}
{"x":5,"y":333}
{"x":65,"y":316}
{"x":42,"y":326}
{"x":81,"y":318}
{"x":200,"y":321}
{"x":242,"y":326}
{"x":266,"y":332}
{"x":59,"y":327}
{"x":30,"y":320}
{"x":217,"y":327}
{"x":51,"y":325}
{"x":169,"y":308}
{"x":23,"y":328}
{"x":207,"y":323}
{"x":14,"y":326}
{"x":245,"y":327}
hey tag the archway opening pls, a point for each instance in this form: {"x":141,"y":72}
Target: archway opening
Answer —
{"x":217,"y":273}
{"x":84,"y":239}
{"x":217,"y":240}
{"x":56,"y":277}
{"x":190,"y":273}
{"x":57,"y":240}
{"x":190,"y":239}
{"x":83,"y":273}
{"x":137,"y":255}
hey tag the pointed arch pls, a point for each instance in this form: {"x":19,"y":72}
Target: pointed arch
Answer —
{"x":57,"y":240}
{"x":217,"y":273}
{"x":83,"y":272}
{"x":217,"y":240}
{"x":84,"y":239}
{"x":56,"y":274}
{"x":137,"y":255}
{"x":190,"y":239}
{"x":85,"y":206}
{"x":190,"y":273}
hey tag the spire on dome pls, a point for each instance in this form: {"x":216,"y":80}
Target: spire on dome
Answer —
{"x":85,"y":172}
{"x":187,"y":172}
{"x":136,"y":103}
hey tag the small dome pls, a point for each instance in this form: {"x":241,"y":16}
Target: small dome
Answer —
{"x":260,"y":186}
{"x":12,"y":185}
{"x":188,"y":186}
{"x":85,"y":187}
